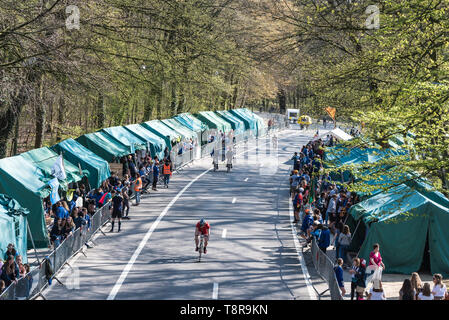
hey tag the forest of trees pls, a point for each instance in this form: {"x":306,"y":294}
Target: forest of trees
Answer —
{"x":382,"y":65}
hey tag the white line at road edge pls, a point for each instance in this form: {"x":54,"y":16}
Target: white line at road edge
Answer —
{"x":300,"y":256}
{"x":223,"y":235}
{"x":215,"y":291}
{"x":144,"y":241}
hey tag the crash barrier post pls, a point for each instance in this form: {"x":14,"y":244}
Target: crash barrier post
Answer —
{"x":325,"y":269}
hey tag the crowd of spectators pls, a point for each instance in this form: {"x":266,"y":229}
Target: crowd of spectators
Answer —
{"x":76,"y":211}
{"x":13,"y":269}
{"x":325,"y":206}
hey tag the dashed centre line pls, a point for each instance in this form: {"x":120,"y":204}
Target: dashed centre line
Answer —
{"x":234,"y":200}
{"x":223,"y":235}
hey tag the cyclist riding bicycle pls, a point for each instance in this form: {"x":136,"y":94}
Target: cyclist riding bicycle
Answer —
{"x":202,"y":227}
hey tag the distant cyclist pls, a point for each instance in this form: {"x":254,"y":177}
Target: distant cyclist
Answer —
{"x":202,"y":227}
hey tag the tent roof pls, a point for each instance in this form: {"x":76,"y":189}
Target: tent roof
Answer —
{"x":147,"y":135}
{"x":394,"y":202}
{"x":45,"y":158}
{"x":183,"y":130}
{"x":216,"y":121}
{"x":237,"y":124}
{"x":162,"y":129}
{"x":125,"y":137}
{"x":191,"y":122}
{"x":77,"y":153}
{"x":27,"y":174}
{"x":250,"y":123}
{"x":104,"y":145}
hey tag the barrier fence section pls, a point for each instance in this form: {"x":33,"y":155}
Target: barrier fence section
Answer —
{"x":38,"y":278}
{"x":325,"y":269}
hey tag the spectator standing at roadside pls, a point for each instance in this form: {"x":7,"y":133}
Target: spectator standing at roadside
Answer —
{"x":344,"y":241}
{"x":339,"y":275}
{"x":166,"y":170}
{"x":439,"y":289}
{"x":361,"y":279}
{"x":407,"y":292}
{"x":132,"y":167}
{"x":425,"y":294}
{"x":155,"y":174}
{"x":10,"y":251}
{"x":353,"y":271}
{"x":20,"y":266}
{"x":10,"y":271}
{"x":331,"y":209}
{"x":117,"y":203}
{"x":57,"y":232}
{"x":324,"y":240}
{"x":416,"y":283}
{"x":125,"y":195}
{"x":138,"y":188}
{"x":375,"y":259}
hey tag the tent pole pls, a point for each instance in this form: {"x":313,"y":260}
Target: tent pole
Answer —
{"x":32,"y":241}
{"x":355,"y":230}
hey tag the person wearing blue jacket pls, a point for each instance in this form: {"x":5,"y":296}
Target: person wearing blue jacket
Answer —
{"x":307,"y":221}
{"x":155,"y":174}
{"x":325,"y":239}
{"x":339,"y":275}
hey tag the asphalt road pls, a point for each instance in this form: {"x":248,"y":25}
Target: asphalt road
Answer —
{"x":251,"y":254}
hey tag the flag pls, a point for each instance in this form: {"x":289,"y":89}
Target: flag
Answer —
{"x":58,"y":169}
{"x":54,"y":195}
{"x":331,"y":111}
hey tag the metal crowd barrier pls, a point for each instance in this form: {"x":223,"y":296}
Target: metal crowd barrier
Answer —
{"x":325,"y":269}
{"x":36,"y":280}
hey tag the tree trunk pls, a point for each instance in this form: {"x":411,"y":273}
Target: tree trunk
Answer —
{"x":173,"y":108}
{"x":282,"y":101}
{"x":61,"y":113}
{"x":101,"y":113}
{"x":40,"y":116}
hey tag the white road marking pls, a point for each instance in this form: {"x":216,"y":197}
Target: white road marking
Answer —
{"x":147,"y":236}
{"x":215,"y":291}
{"x":234,"y":200}
{"x":305,"y":272}
{"x":246,"y":179}
{"x":223,"y":235}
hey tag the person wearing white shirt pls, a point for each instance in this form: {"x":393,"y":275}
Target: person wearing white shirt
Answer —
{"x":439,"y":289}
{"x":426,"y":294}
{"x":376,"y":292}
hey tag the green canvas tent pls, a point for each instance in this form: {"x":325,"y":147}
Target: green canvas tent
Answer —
{"x":27,"y":184}
{"x":261,"y":126}
{"x":104,"y":146}
{"x":194,"y":124}
{"x":45,"y":158}
{"x":133,"y":142}
{"x":170,"y":136}
{"x":250,"y":124}
{"x":77,"y":154}
{"x":13,"y":226}
{"x":157,"y":144}
{"x":181,"y":129}
{"x":402,"y":220}
{"x":214,"y":121}
{"x":237,"y":125}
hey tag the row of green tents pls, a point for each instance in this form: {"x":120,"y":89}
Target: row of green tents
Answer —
{"x":86,"y":159}
{"x":404,"y":214}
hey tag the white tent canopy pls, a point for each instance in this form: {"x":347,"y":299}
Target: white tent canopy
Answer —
{"x":339,"y":134}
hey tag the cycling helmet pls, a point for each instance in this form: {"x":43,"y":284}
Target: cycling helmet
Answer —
{"x":202,"y":222}
{"x":301,"y":190}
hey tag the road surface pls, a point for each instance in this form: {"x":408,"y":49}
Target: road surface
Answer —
{"x":251,"y":254}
